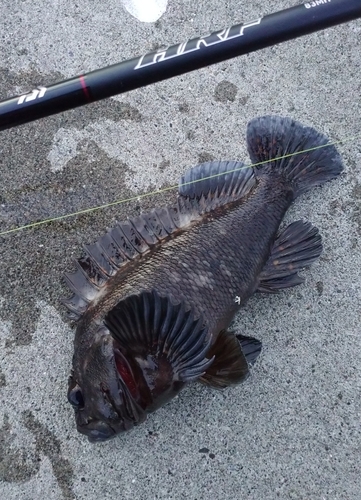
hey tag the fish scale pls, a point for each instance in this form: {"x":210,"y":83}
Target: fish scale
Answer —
{"x":201,"y":249}
{"x":155,"y":296}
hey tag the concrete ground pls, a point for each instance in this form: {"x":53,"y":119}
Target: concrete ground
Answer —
{"x":293,"y":430}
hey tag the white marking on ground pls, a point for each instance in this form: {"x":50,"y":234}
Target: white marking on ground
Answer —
{"x":64,"y":147}
{"x":146,"y":11}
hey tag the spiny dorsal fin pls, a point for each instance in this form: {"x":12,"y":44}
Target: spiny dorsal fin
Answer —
{"x":151,"y":328}
{"x":122,"y":244}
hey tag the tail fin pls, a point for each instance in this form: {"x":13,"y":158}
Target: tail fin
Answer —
{"x":306,"y":158}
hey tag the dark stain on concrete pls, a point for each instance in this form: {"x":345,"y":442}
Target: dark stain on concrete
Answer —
{"x":34,"y":260}
{"x":225,"y":91}
{"x":24,"y":324}
{"x":190,"y":135}
{"x":16,"y":465}
{"x":49,"y":445}
{"x":204,"y":157}
{"x":184,"y":107}
{"x":319,"y":287}
{"x":335,"y":205}
{"x":2,"y":379}
{"x":164,"y":164}
{"x":356,"y":192}
{"x":356,"y":202}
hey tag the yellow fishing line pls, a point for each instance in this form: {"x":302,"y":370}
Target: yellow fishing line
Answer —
{"x":163,"y":190}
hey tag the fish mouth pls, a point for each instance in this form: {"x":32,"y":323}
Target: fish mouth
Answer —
{"x":105,"y":427}
{"x":99,"y":431}
{"x":119,"y":411}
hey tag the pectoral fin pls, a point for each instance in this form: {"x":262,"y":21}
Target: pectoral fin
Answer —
{"x":166,"y":336}
{"x":232,"y":356}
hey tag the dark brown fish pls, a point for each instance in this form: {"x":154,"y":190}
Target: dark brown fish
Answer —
{"x":154,"y":297}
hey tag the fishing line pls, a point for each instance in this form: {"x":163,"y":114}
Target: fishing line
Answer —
{"x":170,"y":188}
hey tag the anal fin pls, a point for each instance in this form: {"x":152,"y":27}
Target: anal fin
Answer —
{"x":251,"y":348}
{"x":232,"y":356}
{"x":296,"y":247}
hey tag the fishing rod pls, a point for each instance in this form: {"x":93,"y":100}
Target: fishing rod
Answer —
{"x":178,"y":59}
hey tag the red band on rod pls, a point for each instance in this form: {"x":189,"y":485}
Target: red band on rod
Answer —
{"x":85,"y":88}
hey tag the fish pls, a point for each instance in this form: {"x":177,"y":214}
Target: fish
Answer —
{"x":154,"y":298}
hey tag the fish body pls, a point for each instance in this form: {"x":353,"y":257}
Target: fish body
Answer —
{"x":154,"y":297}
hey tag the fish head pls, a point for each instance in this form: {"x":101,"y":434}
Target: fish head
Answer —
{"x":103,"y":391}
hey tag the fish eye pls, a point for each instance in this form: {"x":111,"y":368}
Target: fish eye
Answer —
{"x":75,"y":397}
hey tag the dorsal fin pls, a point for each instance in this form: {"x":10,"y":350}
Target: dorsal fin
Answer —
{"x":166,"y":339}
{"x":202,"y":189}
{"x":125,"y":242}
{"x":217,"y":183}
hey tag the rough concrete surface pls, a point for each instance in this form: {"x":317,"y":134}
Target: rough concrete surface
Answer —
{"x":293,"y":430}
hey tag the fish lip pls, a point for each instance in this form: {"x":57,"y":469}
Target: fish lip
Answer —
{"x":97,"y":431}
{"x":117,"y":412}
{"x":129,"y":414}
{"x":100,"y":439}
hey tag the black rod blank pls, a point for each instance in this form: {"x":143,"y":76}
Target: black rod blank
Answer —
{"x":178,"y":59}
